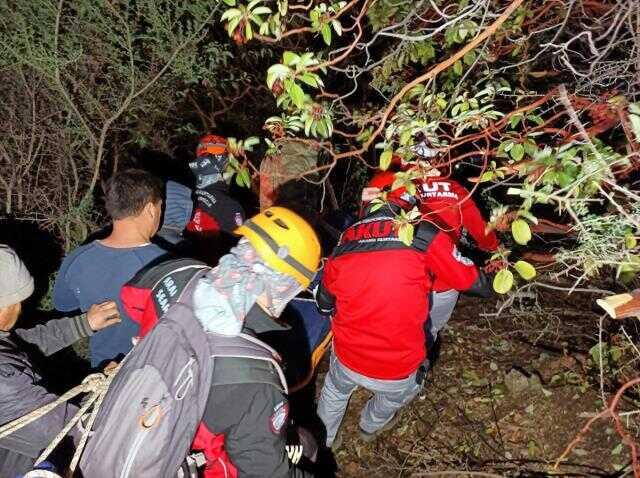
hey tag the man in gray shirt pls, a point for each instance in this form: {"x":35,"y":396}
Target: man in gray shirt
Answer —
{"x":21,"y":387}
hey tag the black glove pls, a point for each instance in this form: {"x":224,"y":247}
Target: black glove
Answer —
{"x":209,"y":169}
{"x":301,"y":444}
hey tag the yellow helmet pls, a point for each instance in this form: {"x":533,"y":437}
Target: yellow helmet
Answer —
{"x":285,"y":241}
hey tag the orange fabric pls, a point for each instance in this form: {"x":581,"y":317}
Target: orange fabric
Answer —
{"x":211,"y":144}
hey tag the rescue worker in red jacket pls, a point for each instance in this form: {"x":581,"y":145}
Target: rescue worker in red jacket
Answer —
{"x":377,"y":290}
{"x":448,"y":205}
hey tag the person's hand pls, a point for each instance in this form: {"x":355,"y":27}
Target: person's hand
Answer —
{"x":110,"y":367}
{"x":494,"y":266}
{"x":369,"y":194}
{"x":103,"y":315}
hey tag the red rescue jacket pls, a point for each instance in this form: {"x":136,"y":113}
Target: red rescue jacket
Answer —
{"x":451,"y":208}
{"x":212,"y":445}
{"x":377,"y":289}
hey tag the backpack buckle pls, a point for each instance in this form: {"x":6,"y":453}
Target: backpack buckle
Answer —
{"x":191,"y":464}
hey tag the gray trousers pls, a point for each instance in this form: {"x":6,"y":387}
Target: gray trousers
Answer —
{"x":340,"y":382}
{"x":442,"y":305}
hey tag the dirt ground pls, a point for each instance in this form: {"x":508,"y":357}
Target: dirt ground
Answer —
{"x":506,"y":396}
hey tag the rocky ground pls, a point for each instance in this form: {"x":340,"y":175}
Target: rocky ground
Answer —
{"x":506,"y":396}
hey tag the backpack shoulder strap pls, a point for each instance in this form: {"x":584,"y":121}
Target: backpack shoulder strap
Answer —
{"x":245,"y":359}
{"x":423,"y":236}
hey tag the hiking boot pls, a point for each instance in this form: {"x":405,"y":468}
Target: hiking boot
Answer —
{"x":369,"y":437}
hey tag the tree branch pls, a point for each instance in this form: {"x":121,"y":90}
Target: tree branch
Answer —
{"x":432,"y":73}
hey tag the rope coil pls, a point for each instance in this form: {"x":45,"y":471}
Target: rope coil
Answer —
{"x":96,"y":385}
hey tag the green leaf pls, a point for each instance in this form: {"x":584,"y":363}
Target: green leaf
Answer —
{"x":502,"y":149}
{"x":615,"y":353}
{"x":329,"y":122}
{"x":243,"y":179}
{"x":450,"y":36}
{"x":595,"y":352}
{"x":635,"y":125}
{"x":564,"y":179}
{"x":326,"y":33}
{"x":617,"y":450}
{"x":250,"y":142}
{"x":630,"y":242}
{"x":457,"y":68}
{"x":262,"y":11}
{"x":385,"y":159}
{"x":486,"y":176}
{"x":337,"y":26}
{"x":277,"y":72}
{"x":231,"y":13}
{"x":405,"y":233}
{"x":297,"y":95}
{"x":526,"y":270}
{"x":289,"y":58}
{"x":233,"y":24}
{"x":530,"y":147}
{"x":535,"y":119}
{"x":309,"y":79}
{"x":521,"y":231}
{"x":469,"y":57}
{"x":514,"y":120}
{"x":322,"y":128}
{"x":307,"y":125}
{"x":405,"y":136}
{"x":503,"y":281}
{"x":231,"y":3}
{"x":376,"y":204}
{"x":517,"y":152}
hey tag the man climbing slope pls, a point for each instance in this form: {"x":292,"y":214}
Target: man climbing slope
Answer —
{"x":377,"y":290}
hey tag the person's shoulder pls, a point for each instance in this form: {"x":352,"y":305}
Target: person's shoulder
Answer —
{"x":78,"y":254}
{"x":149,"y":252}
{"x":178,"y":189}
{"x":425,"y":234}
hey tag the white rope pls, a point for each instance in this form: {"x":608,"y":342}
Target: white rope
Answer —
{"x":96,"y":385}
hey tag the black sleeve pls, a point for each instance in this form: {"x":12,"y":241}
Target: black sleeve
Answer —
{"x":326,"y":300}
{"x":253,"y":418}
{"x":481,"y":287}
